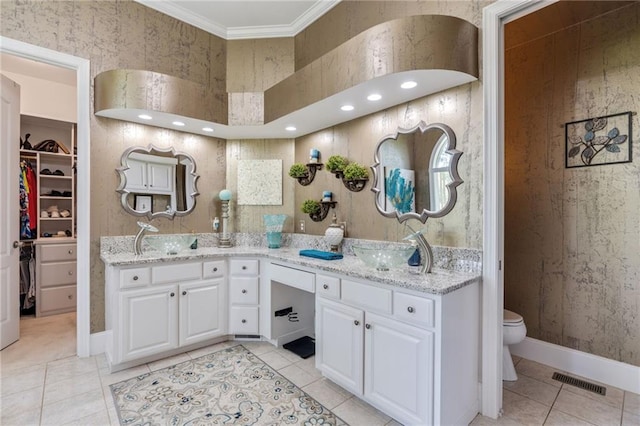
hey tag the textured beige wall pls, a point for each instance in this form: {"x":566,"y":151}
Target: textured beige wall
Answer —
{"x":572,"y":245}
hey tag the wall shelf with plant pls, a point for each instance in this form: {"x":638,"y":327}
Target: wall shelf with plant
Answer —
{"x":317,"y":210}
{"x":304,"y":174}
{"x":354,"y":176}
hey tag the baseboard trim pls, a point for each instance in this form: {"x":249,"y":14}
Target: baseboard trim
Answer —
{"x":600,"y":369}
{"x":97,"y":343}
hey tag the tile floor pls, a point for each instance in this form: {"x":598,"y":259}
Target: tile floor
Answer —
{"x":42,"y":382}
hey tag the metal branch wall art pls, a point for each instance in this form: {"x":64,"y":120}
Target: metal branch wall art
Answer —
{"x":597,"y":141}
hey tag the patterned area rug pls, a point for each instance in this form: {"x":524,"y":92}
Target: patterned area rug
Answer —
{"x":228,"y":387}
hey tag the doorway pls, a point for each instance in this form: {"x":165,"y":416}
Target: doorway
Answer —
{"x":81,"y":68}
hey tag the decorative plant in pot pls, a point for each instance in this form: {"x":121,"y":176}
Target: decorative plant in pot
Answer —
{"x":304,"y":173}
{"x":336,"y":164}
{"x":355,"y":177}
{"x":317,"y":210}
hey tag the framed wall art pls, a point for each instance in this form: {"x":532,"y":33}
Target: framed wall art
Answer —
{"x":598,"y":141}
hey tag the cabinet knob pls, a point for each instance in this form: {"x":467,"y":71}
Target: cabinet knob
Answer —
{"x":70,"y":272}
{"x":244,"y":291}
{"x":244,"y":267}
{"x":172,"y":294}
{"x":367,"y":326}
{"x":70,"y":251}
{"x":70,"y":296}
{"x":244,"y":321}
{"x":215,"y":269}
{"x":410,"y":309}
{"x":356,"y":322}
{"x":326,"y":287}
{"x":135,"y":278}
{"x":184,"y":292}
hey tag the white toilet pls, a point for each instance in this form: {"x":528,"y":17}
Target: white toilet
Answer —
{"x":513,"y":331}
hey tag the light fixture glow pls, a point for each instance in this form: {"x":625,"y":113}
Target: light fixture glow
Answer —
{"x":374,"y":97}
{"x":290,"y":129}
{"x":347,"y":107}
{"x":178,"y":123}
{"x":408,"y":84}
{"x":145,"y":116}
{"x":207,"y":129}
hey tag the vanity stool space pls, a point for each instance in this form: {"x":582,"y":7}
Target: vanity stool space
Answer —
{"x":163,"y":308}
{"x":56,"y":277}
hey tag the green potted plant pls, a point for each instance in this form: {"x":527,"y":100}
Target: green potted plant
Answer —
{"x":355,"y":171}
{"x":337,"y":163}
{"x":311,"y":207}
{"x":298,"y":170}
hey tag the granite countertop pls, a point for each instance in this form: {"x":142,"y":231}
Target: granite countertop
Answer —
{"x":439,"y":281}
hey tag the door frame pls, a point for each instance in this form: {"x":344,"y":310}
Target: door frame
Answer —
{"x":83,"y":85}
{"x":494,"y":17}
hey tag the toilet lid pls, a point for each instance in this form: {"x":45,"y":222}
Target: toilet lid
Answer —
{"x":511,"y":318}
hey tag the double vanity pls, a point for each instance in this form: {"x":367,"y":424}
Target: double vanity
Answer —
{"x":407,"y":344}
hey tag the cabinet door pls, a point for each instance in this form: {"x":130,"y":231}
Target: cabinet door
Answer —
{"x":339,"y":343}
{"x":149,"y":321}
{"x":136,"y":175}
{"x":203,"y":311}
{"x":399,"y":369}
{"x":160,"y":178}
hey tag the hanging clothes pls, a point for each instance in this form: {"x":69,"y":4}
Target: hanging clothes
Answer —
{"x":28,"y":201}
{"x":27,"y":278}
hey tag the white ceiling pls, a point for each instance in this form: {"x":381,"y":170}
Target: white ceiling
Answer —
{"x":237,"y":19}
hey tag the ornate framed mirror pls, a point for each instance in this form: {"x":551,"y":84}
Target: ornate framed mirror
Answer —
{"x":157,"y":182}
{"x":416,"y":172}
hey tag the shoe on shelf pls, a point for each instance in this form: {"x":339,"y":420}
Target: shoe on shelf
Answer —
{"x":44,"y":213}
{"x":65,"y":213}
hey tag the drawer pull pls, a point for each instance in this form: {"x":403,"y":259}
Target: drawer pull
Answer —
{"x":70,"y":296}
{"x":70,"y":251}
{"x":215,"y":269}
{"x":244,"y":267}
{"x":70,"y":272}
{"x":184,"y":292}
{"x":244,"y":291}
{"x":356,"y":322}
{"x":367,"y":326}
{"x":135,"y":278}
{"x":172,"y":294}
{"x":410,"y":309}
{"x":244,"y":321}
{"x":326,"y":287}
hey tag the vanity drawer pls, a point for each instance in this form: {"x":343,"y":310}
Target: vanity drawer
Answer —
{"x":416,"y":310}
{"x":244,"y":291}
{"x":328,"y":286}
{"x":213,"y":269}
{"x":293,"y":277}
{"x":176,"y":273}
{"x":58,"y":273}
{"x":243,"y":320}
{"x":56,"y":299}
{"x":57,"y":252}
{"x":244,"y":267}
{"x":366,"y":296}
{"x":135,"y":277}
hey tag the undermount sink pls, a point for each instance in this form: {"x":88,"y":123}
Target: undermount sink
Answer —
{"x":384,"y":258}
{"x":170,"y":244}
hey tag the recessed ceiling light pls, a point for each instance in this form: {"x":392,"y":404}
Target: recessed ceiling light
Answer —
{"x":178,"y":123}
{"x":347,"y":107}
{"x":408,"y":84}
{"x":374,"y":97}
{"x":207,"y":129}
{"x":145,"y":116}
{"x":290,"y":129}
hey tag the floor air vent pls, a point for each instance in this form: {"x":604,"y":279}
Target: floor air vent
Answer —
{"x":579,"y":383}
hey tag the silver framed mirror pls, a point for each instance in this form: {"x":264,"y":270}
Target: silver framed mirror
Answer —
{"x":416,"y":172}
{"x":157,"y":182}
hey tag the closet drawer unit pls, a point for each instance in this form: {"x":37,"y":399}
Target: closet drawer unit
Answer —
{"x":244,"y":291}
{"x":243,"y":267}
{"x":243,"y":320}
{"x":57,"y":252}
{"x":213,"y":269}
{"x":414,"y":309}
{"x":328,"y":286}
{"x":58,"y":299}
{"x":176,"y":273}
{"x":135,"y":277}
{"x":57,"y":273}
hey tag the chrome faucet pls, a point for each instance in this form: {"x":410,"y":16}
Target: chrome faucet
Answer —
{"x":137,"y":243}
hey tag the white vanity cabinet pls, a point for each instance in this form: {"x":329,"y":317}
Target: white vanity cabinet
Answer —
{"x":244,"y":297}
{"x":387,"y":347}
{"x":150,"y":174}
{"x":157,"y":308}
